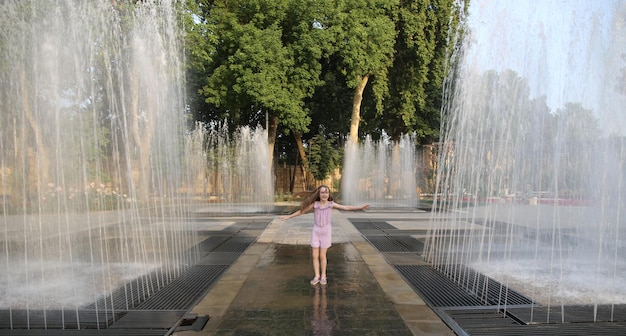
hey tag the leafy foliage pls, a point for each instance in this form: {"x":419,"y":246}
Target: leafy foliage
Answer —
{"x":301,"y":61}
{"x":416,"y":78}
{"x":266,"y":60}
{"x":323,"y":156}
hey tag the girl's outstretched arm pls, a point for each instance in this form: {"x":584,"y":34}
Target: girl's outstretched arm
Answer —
{"x":297,"y":213}
{"x":350,"y":207}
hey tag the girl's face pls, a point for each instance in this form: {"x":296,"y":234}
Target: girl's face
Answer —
{"x":324,"y":194}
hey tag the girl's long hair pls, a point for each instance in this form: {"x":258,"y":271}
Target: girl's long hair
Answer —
{"x":311,"y":196}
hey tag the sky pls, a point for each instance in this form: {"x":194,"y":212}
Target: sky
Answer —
{"x":569,"y":50}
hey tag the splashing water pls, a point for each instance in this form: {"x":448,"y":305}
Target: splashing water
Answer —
{"x":231,"y":171}
{"x":533,"y":151}
{"x":381,"y":173}
{"x":90,"y":158}
{"x":98,"y":176}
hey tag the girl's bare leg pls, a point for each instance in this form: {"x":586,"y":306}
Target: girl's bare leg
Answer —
{"x":323,"y":261}
{"x":315,"y":254}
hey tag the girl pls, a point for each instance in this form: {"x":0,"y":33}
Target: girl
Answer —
{"x":322,"y":202}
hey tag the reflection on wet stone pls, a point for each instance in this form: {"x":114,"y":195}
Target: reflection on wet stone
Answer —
{"x":277,"y":298}
{"x":320,"y":324}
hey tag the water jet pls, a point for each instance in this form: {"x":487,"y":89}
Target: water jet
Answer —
{"x":533,"y":159}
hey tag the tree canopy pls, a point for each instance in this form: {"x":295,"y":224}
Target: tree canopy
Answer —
{"x":320,"y":68}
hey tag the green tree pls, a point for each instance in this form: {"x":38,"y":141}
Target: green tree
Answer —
{"x":324,"y":156}
{"x":201,"y":39}
{"x":304,"y":64}
{"x":329,"y":104}
{"x":576,"y":127}
{"x":265,"y":63}
{"x":621,"y":79}
{"x":419,"y":67}
{"x":365,"y":38}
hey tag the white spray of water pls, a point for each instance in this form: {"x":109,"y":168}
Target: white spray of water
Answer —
{"x":534,"y":151}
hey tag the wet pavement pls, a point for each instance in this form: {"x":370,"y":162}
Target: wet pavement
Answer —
{"x":267,"y":291}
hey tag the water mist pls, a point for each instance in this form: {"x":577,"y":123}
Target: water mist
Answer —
{"x":531,"y":170}
{"x":91,"y":145}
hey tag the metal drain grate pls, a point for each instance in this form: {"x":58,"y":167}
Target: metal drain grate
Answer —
{"x":181,"y":293}
{"x":471,"y":318}
{"x":495,"y":321}
{"x":412,"y":244}
{"x":441,"y":290}
{"x":395,"y":243}
{"x":435,"y":288}
{"x":148,"y":319}
{"x":473,"y":314}
{"x":235,"y":244}
{"x":413,"y":232}
{"x":85,"y":332}
{"x":386,"y":238}
{"x":150,"y":305}
{"x":371,"y":225}
{"x":571,"y":314}
{"x":487,"y":289}
{"x":136,"y":291}
{"x":56,"y":319}
{"x":132,"y":293}
{"x":211,"y":243}
{"x":492,"y":321}
{"x":257,"y":225}
{"x":219,"y":258}
{"x":364,"y":225}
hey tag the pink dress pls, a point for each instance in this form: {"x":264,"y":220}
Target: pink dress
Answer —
{"x":322,"y":229}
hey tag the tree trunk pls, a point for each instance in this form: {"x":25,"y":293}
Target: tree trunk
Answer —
{"x":292,"y":176}
{"x":356,"y":109}
{"x":271,"y":137}
{"x":305,"y":162}
{"x":143,"y":137}
{"x":20,"y":167}
{"x":41,"y":152}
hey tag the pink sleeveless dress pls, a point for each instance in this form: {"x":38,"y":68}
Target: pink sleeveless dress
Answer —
{"x":322,"y":228}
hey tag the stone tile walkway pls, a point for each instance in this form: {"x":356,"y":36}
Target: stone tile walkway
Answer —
{"x":267,"y":291}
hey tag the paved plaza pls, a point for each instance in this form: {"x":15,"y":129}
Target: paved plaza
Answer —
{"x":252,"y":272}
{"x":266,"y":291}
